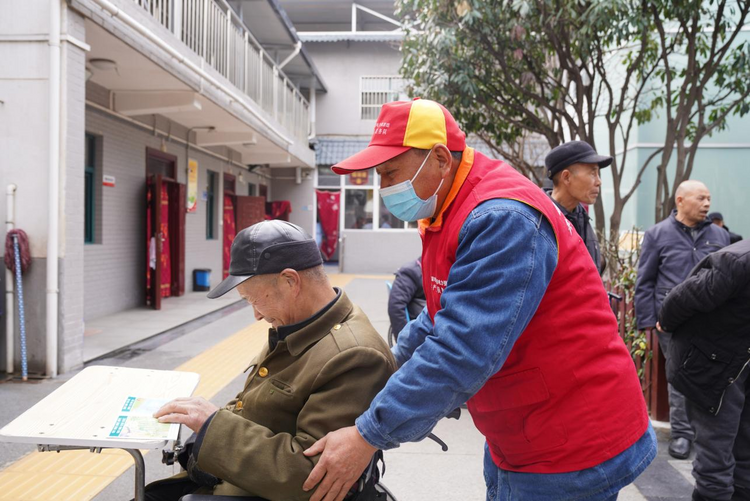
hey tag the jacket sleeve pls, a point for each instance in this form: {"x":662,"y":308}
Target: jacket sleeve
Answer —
{"x":494,"y":288}
{"x":402,"y":292}
{"x":711,"y":284}
{"x":271,"y":465}
{"x":411,"y":337}
{"x":645,"y":287}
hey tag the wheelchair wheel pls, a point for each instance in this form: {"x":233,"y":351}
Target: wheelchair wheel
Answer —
{"x":383,"y":493}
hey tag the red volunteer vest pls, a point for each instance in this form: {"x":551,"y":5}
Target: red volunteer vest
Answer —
{"x":568,"y":397}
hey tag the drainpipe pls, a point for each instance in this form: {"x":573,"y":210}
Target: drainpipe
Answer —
{"x":54,"y":188}
{"x":297,"y":48}
{"x":10,"y":224}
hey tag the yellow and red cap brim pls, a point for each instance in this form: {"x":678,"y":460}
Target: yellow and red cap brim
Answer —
{"x":403,"y":125}
{"x":368,"y":158}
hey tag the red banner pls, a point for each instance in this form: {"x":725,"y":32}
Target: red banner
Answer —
{"x":166,"y":260}
{"x":328,"y":212}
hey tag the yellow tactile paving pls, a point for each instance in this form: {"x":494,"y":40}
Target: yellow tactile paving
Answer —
{"x":80,"y":475}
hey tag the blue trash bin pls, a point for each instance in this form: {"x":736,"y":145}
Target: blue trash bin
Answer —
{"x":201,"y":280}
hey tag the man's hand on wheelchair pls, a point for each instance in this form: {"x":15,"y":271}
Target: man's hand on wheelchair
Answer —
{"x":193,"y":412}
{"x":345,"y":456}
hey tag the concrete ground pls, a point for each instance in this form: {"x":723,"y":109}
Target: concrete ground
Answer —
{"x":415,"y":472}
{"x":111,"y":332}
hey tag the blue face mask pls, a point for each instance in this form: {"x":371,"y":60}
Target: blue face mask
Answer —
{"x":405,"y":204}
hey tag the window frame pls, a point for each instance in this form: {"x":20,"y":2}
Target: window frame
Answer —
{"x":89,"y":190}
{"x":397,"y":94}
{"x":343,"y":187}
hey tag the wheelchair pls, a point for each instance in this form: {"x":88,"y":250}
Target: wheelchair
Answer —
{"x":393,"y":336}
{"x":367,"y":488}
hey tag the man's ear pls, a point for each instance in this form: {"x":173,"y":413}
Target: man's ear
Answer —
{"x":565,"y":176}
{"x":444,"y":157}
{"x":291,"y":279}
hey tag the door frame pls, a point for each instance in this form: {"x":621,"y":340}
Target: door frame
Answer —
{"x":176,"y":223}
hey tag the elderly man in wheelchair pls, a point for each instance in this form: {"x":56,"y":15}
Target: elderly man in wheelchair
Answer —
{"x":323,"y":364}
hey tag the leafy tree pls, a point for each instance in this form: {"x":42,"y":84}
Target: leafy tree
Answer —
{"x":556,"y":69}
{"x":700,"y":89}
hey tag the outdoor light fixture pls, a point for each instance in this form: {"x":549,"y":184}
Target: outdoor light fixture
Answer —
{"x":89,"y":74}
{"x":103,"y":64}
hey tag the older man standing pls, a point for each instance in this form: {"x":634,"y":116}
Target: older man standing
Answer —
{"x":573,"y":168}
{"x":669,"y":251}
{"x":517,"y":323}
{"x":323,"y":364}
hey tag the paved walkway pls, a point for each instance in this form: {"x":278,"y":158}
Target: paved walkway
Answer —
{"x":220,"y":351}
{"x":106,"y":334}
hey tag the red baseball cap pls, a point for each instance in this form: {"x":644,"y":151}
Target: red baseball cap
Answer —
{"x":403,"y":125}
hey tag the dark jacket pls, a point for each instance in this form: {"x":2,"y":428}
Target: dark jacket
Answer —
{"x":733,"y":237}
{"x":581,"y":221}
{"x":709,"y":316}
{"x":668,"y":253}
{"x":407,"y":292}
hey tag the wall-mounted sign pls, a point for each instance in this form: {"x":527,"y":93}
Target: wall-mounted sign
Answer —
{"x":192,"y":186}
{"x":359,"y":177}
{"x":108,"y":181}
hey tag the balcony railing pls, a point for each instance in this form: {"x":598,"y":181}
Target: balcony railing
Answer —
{"x":212,"y":30}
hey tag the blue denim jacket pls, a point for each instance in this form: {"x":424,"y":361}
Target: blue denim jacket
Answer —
{"x":506,"y":256}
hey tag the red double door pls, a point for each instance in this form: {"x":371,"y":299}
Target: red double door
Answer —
{"x":165,"y":230}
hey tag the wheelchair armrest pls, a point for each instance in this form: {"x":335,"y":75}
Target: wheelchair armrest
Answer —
{"x":454,"y":414}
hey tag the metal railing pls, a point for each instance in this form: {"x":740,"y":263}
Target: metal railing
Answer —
{"x":213,"y":31}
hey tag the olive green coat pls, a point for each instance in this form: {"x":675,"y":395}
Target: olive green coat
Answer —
{"x":319,"y":379}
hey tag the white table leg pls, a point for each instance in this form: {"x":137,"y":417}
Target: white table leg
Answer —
{"x":140,"y":474}
{"x":140,"y":465}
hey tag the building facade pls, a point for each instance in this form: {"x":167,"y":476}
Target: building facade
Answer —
{"x":356,"y":48}
{"x":137,"y":137}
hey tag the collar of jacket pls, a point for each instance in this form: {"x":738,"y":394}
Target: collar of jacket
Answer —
{"x":580,"y":209}
{"x":280,"y":334}
{"x":683,"y":226}
{"x":299,"y":341}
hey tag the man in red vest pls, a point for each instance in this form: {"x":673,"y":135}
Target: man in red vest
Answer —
{"x":517,"y":325}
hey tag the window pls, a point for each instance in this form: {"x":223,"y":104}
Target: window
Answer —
{"x":358,"y":209}
{"x":376,"y":91}
{"x":210,"y":205}
{"x":326,"y":177}
{"x":252,"y":190}
{"x":92,"y":190}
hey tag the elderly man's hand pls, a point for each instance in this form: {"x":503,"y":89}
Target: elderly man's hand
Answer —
{"x":345,"y":456}
{"x":190,"y":411}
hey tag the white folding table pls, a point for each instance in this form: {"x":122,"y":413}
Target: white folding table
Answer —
{"x":81,"y":413}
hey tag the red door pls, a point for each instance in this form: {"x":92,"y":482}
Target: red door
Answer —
{"x":177,"y":211}
{"x":249,"y":210}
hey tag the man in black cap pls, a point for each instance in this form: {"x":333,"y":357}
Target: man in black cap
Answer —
{"x":323,"y":364}
{"x":573,"y":168}
{"x":718,"y":220}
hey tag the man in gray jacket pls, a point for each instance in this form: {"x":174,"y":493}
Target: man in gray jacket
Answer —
{"x":669,"y":251}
